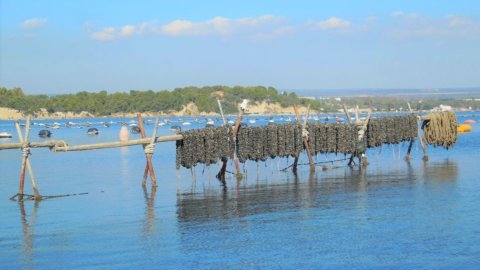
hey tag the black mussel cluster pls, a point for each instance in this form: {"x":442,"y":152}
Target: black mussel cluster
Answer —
{"x":204,"y":146}
{"x":391,"y":130}
{"x":332,"y":138}
{"x":262,"y":142}
{"x":211,"y":144}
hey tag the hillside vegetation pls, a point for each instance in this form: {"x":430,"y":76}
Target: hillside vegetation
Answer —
{"x":102,"y":103}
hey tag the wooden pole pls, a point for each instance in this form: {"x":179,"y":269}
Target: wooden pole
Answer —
{"x":420,"y":137}
{"x":29,"y":167}
{"x":305,"y":140}
{"x":347,"y":114}
{"x":25,"y":157}
{"x":49,"y":143}
{"x":148,"y":157}
{"x":234,"y":135}
{"x":349,"y":118}
{"x":95,"y":146}
{"x":145,"y":174}
{"x":221,"y":111}
{"x":410,"y":145}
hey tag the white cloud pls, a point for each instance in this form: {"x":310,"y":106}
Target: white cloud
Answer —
{"x":402,"y":15}
{"x":128,"y":30}
{"x":33,"y":23}
{"x":414,"y":25}
{"x":333,"y":23}
{"x":218,"y":26}
{"x":108,"y":33}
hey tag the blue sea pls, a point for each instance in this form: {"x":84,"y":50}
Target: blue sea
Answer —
{"x":392,"y":214}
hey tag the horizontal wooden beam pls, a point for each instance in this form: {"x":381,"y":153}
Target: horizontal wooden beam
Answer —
{"x":61,"y":147}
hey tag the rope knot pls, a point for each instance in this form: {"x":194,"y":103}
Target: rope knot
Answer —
{"x":60,"y":144}
{"x":149,"y":149}
{"x":305,"y":132}
{"x":26,"y":150}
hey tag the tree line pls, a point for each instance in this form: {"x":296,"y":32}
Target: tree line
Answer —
{"x":104,"y":104}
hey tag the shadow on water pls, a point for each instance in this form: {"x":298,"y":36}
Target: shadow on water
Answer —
{"x":317,"y":190}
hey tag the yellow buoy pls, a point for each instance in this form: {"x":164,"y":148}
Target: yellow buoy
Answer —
{"x":464,"y":128}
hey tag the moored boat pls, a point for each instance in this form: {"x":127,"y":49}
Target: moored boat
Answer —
{"x":5,"y":135}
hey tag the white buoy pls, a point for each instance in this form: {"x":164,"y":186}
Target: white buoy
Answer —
{"x":124,"y":134}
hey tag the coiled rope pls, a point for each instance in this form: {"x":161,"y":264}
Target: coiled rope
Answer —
{"x":440,"y":129}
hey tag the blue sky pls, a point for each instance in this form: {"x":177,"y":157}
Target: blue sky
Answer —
{"x":50,"y":47}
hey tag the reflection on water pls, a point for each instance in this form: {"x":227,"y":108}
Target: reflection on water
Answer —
{"x":28,"y":226}
{"x":149,"y":220}
{"x":446,"y":170}
{"x":264,"y":198}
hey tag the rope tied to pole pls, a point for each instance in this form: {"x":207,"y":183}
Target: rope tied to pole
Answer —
{"x":305,"y":132}
{"x":26,"y":151}
{"x":60,"y":144}
{"x":149,"y":149}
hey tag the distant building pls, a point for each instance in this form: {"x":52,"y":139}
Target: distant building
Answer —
{"x":442,"y":108}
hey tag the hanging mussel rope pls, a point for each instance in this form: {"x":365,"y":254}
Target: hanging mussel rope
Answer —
{"x":207,"y":146}
{"x":204,"y":146}
{"x":391,"y":130}
{"x":440,"y":128}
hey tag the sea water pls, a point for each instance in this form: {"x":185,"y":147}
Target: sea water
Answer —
{"x":392,"y":214}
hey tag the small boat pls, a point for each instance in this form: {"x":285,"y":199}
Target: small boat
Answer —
{"x":271,"y":121}
{"x":252,"y":121}
{"x":4,"y":135}
{"x":135,"y":130}
{"x":161,"y":124}
{"x":209,"y":125}
{"x":186,"y":123}
{"x":69,"y":124}
{"x":44,"y":133}
{"x":469,"y":122}
{"x":176,"y":128}
{"x":92,"y":131}
{"x":289,"y":119}
{"x":106,"y":124}
{"x":210,"y":121}
{"x":231,"y":122}
{"x":339,"y":119}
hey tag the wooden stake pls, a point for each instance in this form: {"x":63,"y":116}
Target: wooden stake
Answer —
{"x":234,"y":133}
{"x":26,"y":162}
{"x":305,"y":141}
{"x":149,"y":167}
{"x":347,"y":114}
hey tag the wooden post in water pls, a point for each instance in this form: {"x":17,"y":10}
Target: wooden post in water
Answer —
{"x":349,"y":118}
{"x":420,"y":138}
{"x":234,"y":135}
{"x":26,"y":161}
{"x":305,"y":141}
{"x":149,"y":166}
{"x":407,"y":156}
